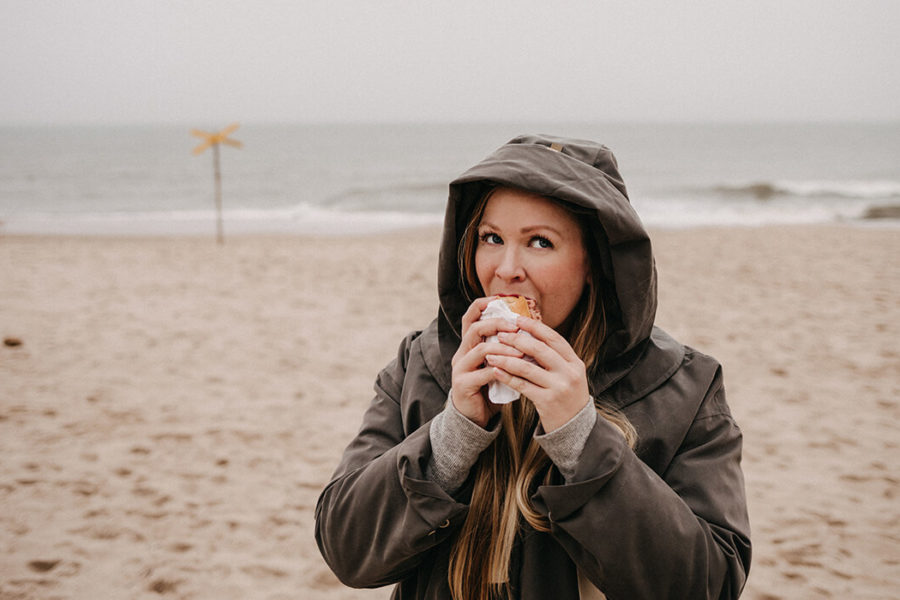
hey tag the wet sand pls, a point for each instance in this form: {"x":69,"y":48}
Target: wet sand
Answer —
{"x":173,"y":408}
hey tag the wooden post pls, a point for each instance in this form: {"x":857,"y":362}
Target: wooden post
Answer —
{"x":214,"y":139}
{"x":217,"y":173}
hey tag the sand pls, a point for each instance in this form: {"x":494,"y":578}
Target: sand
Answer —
{"x":173,"y":408}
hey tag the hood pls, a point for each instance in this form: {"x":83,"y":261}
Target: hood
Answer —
{"x":580,"y":172}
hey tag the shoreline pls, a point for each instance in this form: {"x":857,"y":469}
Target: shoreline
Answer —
{"x":884,"y":219}
{"x":175,"y":406}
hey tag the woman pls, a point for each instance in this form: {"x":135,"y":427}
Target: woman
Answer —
{"x":618,"y":470}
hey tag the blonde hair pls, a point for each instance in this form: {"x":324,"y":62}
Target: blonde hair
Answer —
{"x":507,"y":470}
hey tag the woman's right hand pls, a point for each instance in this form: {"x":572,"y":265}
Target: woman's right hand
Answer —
{"x":470,"y":373}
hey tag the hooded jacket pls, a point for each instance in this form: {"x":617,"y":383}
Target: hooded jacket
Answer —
{"x":665,"y":520}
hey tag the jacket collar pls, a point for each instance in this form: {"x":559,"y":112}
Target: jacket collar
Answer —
{"x":640,"y":373}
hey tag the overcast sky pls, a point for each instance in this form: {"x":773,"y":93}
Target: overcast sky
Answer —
{"x":122,"y":61}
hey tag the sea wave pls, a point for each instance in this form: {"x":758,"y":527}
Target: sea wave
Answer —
{"x":656,"y":210}
{"x":418,"y":197}
{"x":859,"y":189}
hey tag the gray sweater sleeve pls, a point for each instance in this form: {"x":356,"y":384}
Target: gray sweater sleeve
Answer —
{"x":456,"y":443}
{"x":565,"y":444}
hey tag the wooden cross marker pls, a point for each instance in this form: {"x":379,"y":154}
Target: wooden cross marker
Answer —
{"x":213,"y":140}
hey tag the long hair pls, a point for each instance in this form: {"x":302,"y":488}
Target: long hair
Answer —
{"x":506,"y":472}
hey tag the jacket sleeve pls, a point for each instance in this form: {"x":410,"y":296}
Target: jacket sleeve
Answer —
{"x":379,"y":515}
{"x":638,"y":535}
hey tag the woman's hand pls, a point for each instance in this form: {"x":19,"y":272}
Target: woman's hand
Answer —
{"x":470,"y":373}
{"x":556,"y":382}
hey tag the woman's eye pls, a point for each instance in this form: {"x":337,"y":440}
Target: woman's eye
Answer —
{"x":540,"y":242}
{"x":491,"y":238}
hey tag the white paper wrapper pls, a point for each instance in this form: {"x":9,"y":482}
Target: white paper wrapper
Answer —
{"x":499,"y":393}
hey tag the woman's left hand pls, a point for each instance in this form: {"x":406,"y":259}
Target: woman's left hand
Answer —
{"x":556,"y":382}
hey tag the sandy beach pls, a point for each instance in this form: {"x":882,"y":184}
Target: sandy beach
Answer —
{"x":170,"y":408}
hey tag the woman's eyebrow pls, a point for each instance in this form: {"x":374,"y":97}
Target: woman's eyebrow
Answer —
{"x":527,"y":229}
{"x":532,"y":228}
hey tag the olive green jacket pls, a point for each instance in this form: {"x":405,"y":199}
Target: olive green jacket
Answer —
{"x":666,"y":520}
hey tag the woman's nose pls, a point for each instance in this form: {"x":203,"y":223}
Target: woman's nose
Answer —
{"x":510,"y":266}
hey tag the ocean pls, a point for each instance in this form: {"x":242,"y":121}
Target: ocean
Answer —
{"x":355,"y":178}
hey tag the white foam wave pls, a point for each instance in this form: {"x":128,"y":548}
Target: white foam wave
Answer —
{"x":858,"y":189}
{"x":661,"y":211}
{"x":693,"y":211}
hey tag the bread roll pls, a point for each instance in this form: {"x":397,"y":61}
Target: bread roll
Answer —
{"x":522,"y":306}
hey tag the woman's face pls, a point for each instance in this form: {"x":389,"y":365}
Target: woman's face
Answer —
{"x":531,"y":246}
